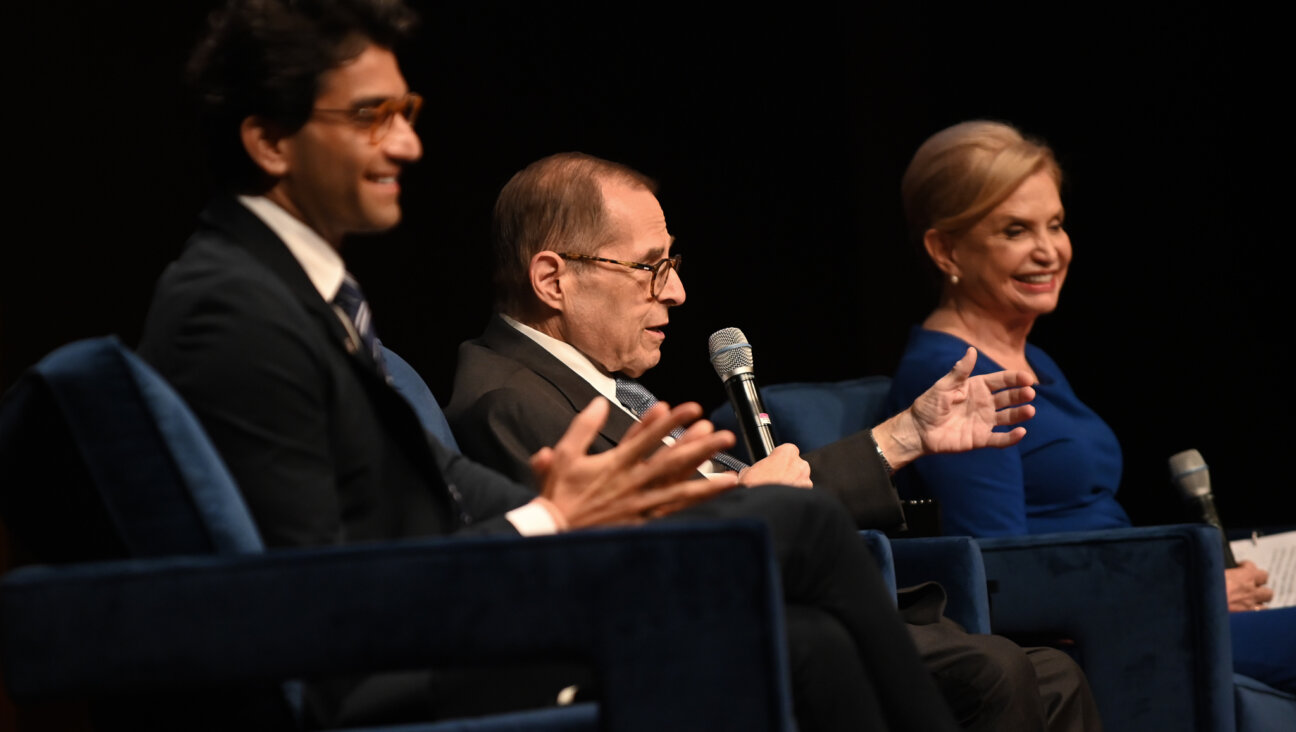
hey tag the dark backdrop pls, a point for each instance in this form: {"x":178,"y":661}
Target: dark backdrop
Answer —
{"x":778,"y":139}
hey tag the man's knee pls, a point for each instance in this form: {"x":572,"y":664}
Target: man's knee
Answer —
{"x":830,"y":688}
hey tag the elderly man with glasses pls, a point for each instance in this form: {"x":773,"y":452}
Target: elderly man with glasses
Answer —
{"x":585,"y":283}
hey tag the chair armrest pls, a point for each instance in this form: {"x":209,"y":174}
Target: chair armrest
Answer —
{"x":682,"y":624}
{"x":955,"y":562}
{"x":1143,"y":610}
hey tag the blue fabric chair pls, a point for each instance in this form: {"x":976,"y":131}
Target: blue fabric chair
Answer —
{"x":1161,"y":662}
{"x":155,"y":601}
{"x":954,"y":561}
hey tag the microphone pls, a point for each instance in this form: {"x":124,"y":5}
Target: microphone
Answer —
{"x":731,"y":355}
{"x":1192,"y":478}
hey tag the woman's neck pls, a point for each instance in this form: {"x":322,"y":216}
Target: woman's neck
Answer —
{"x":1004,"y":342}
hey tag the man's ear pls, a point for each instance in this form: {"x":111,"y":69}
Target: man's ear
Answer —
{"x":940,"y":247}
{"x":547,"y":270}
{"x":265,"y":145}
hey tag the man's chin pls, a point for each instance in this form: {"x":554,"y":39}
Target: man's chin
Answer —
{"x":379,"y":222}
{"x":638,"y":369}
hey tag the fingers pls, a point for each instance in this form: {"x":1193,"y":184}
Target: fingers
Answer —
{"x":963,"y":367}
{"x":541,"y":461}
{"x":1013,"y":397}
{"x":1006,"y":379}
{"x":1006,"y":439}
{"x":683,"y":458}
{"x":784,"y":466}
{"x":1013,"y":415}
{"x":657,"y":423}
{"x":583,"y":428}
{"x":669,"y":499}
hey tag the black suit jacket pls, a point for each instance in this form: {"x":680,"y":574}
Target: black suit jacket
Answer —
{"x":512,"y":397}
{"x":321,"y":447}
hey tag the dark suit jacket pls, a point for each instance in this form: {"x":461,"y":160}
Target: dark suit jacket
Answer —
{"x":512,"y":397}
{"x":322,"y":448}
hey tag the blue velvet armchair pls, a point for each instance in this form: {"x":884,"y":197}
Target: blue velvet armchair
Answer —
{"x":154,"y":603}
{"x":1160,"y":662}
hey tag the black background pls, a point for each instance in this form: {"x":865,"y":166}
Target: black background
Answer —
{"x":778,"y":138}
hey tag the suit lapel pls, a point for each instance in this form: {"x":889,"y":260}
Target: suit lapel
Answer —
{"x":506,"y":340}
{"x":241,"y":228}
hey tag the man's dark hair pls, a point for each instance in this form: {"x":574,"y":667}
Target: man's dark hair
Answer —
{"x":264,"y":58}
{"x":554,"y":204}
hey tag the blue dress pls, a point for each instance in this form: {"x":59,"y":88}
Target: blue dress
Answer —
{"x":1062,"y":477}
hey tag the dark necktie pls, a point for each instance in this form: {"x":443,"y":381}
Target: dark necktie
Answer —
{"x":352,"y":301}
{"x":638,"y":399}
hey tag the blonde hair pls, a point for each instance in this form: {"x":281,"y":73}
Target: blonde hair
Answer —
{"x":962,"y":172}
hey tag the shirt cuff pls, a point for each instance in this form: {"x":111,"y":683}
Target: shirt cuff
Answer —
{"x":534,"y":519}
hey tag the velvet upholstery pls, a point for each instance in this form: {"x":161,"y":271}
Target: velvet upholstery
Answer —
{"x":1141,"y":609}
{"x":953,"y":561}
{"x":171,"y":595}
{"x":814,"y":414}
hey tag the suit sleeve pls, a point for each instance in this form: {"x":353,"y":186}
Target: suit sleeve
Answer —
{"x":257,"y":385}
{"x":486,"y":494}
{"x":505,"y":427}
{"x":851,"y":470}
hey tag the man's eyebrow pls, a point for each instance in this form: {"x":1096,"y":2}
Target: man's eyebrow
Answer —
{"x":655,"y":255}
{"x":372,"y":101}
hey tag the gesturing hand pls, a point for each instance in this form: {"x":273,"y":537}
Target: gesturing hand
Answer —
{"x":959,"y":412}
{"x":638,"y":479}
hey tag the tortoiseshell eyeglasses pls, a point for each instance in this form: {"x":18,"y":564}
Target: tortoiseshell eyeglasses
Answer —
{"x":660,"y":270}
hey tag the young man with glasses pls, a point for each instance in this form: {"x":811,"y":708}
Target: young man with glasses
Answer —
{"x":258,"y":325}
{"x":585,"y":282}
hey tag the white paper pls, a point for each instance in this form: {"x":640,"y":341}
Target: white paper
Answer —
{"x":1276,"y":554}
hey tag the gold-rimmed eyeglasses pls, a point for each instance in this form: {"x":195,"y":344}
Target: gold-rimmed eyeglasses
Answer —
{"x":377,"y":118}
{"x":660,"y":270}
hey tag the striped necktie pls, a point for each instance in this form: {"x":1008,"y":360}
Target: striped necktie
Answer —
{"x":352,"y":301}
{"x":636,"y":397}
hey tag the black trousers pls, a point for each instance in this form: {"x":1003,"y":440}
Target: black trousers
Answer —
{"x":854,"y":665}
{"x":858,"y":663}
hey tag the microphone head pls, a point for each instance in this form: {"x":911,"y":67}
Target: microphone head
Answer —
{"x":1189,"y":473}
{"x":730,"y":353}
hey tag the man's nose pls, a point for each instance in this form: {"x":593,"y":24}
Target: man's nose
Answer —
{"x":673,"y":291}
{"x":402,"y":142}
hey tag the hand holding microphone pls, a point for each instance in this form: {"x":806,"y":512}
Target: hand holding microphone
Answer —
{"x":731,"y":355}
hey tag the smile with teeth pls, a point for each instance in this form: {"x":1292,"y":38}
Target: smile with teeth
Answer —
{"x":1035,"y":279}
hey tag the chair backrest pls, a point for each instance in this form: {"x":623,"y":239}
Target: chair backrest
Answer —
{"x":814,"y":414}
{"x":102,"y":459}
{"x":410,"y":385}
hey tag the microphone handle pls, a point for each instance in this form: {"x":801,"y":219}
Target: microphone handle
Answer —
{"x":753,"y":422}
{"x":1207,"y":505}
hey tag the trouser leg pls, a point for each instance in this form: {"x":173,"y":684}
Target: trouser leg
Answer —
{"x":826,"y":565}
{"x":830,"y":691}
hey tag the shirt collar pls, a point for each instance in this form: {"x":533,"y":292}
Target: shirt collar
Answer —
{"x":573,"y":359}
{"x":322,"y":263}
